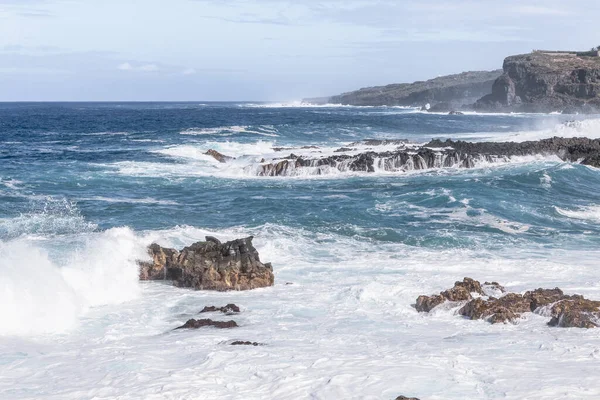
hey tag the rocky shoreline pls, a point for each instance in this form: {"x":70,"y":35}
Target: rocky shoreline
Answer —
{"x":435,"y":154}
{"x":538,"y":82}
{"x":235,"y":265}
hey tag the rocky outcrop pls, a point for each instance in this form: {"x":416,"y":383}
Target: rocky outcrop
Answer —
{"x":218,"y":156}
{"x":406,"y":398}
{"x":478,"y":303}
{"x":209,"y":265}
{"x":546,"y":82}
{"x":435,"y":154}
{"x":452,"y":90}
{"x":228,"y":309}
{"x":460,"y":292}
{"x":201,"y":323}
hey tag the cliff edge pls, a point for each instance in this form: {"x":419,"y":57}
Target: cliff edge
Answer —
{"x":451,"y":91}
{"x":546,"y":82}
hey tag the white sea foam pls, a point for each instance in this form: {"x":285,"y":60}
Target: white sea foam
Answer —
{"x":41,"y":295}
{"x":348,"y":311}
{"x":262,"y":130}
{"x":589,"y":128}
{"x":145,"y":200}
{"x":588,"y":213}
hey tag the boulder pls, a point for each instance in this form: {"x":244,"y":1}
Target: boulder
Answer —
{"x":505,"y":309}
{"x":406,"y":398}
{"x":460,"y":292}
{"x":200,"y":323}
{"x":210,"y":265}
{"x":576,"y":313}
{"x":228,"y":309}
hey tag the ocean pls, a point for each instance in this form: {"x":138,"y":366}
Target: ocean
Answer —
{"x":86,"y":187}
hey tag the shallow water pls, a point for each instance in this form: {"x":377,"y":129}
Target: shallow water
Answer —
{"x":85,"y":187}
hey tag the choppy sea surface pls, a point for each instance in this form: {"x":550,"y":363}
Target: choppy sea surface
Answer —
{"x":85,"y":187}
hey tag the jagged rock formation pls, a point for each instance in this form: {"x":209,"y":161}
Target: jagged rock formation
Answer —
{"x":479,"y":302}
{"x":546,"y":82}
{"x":209,"y":265}
{"x":435,"y":154}
{"x":452,"y":90}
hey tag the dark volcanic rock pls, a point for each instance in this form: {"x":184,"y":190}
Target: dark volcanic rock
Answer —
{"x":455,"y":90}
{"x":218,"y":156}
{"x":436,"y":154}
{"x":156,"y":270}
{"x":200,"y":323}
{"x":546,"y":82}
{"x":228,"y":309}
{"x":460,"y":292}
{"x":576,"y":312}
{"x":566,"y":311}
{"x":241,"y":343}
{"x":210,"y":265}
{"x":505,"y":309}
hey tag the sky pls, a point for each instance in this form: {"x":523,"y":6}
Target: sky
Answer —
{"x":270,"y":50}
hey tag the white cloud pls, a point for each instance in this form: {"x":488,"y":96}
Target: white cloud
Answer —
{"x":189,"y":71}
{"x":540,"y":10}
{"x":143,"y":67}
{"x":125,"y":67}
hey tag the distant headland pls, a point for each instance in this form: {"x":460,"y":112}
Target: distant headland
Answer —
{"x":541,"y":81}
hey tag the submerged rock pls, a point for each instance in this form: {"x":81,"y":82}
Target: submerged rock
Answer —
{"x":200,"y":323}
{"x":210,"y":265}
{"x":228,"y":309}
{"x":241,"y":343}
{"x":218,"y":156}
{"x":565,"y":310}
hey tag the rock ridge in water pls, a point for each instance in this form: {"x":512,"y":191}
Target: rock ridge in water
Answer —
{"x":201,"y":323}
{"x":209,"y":265}
{"x":435,"y":154}
{"x":478,"y":302}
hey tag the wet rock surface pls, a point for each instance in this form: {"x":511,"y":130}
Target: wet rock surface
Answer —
{"x":242,"y":343}
{"x":228,"y":309}
{"x":218,"y":156}
{"x":565,"y":310}
{"x":435,"y":154}
{"x":461,"y":291}
{"x":210,"y":265}
{"x":201,"y":323}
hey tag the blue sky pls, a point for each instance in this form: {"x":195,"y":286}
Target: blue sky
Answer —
{"x":266,"y":49}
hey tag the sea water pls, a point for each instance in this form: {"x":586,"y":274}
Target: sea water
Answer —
{"x":85,"y":187}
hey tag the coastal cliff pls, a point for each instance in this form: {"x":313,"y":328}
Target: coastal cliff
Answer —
{"x":450,"y":91}
{"x":546,"y":82}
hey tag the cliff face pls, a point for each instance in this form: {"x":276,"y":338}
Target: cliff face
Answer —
{"x":546,"y":82}
{"x":451,"y":90}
